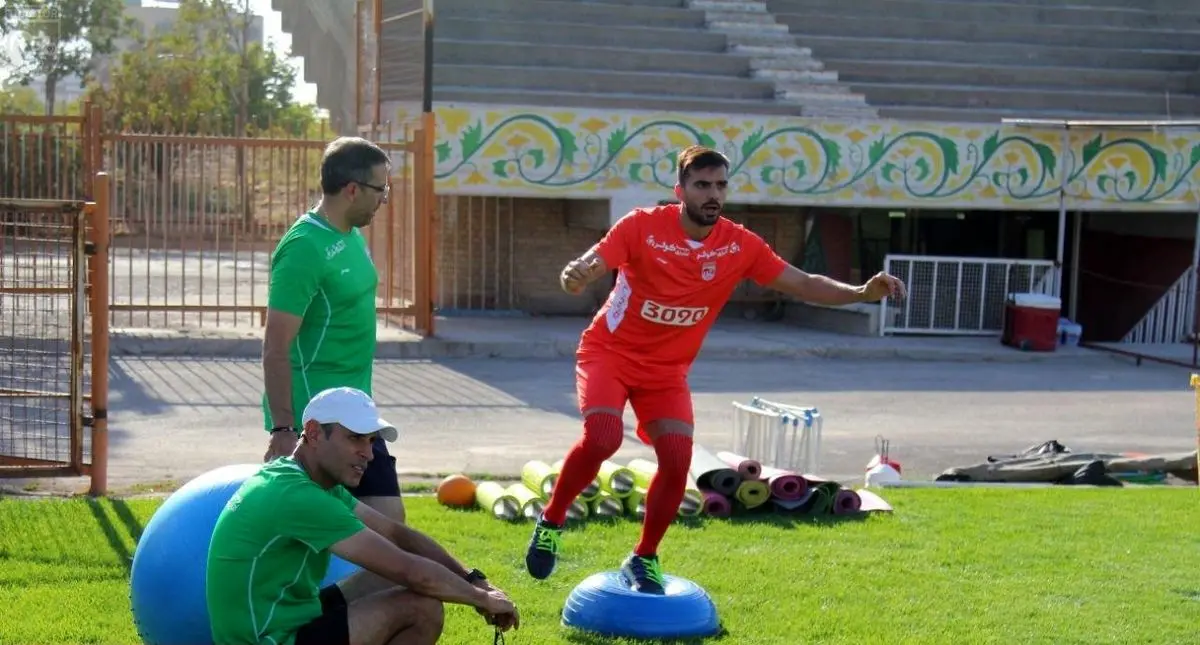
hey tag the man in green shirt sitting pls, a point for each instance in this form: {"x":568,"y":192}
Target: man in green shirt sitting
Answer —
{"x":272,"y":544}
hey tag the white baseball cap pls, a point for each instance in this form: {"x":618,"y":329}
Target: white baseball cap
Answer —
{"x":352,"y":408}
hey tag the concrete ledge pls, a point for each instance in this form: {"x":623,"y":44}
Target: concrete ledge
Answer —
{"x":536,"y":346}
{"x":617,"y":100}
{"x":603,"y":81}
{"x":965,"y":96}
{"x":1009,"y":76}
{"x":990,"y":13}
{"x":672,"y":40}
{"x":1028,"y":33}
{"x":857,"y":320}
{"x":945,"y":49}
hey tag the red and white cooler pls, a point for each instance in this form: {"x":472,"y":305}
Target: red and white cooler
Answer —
{"x":1031,"y":322}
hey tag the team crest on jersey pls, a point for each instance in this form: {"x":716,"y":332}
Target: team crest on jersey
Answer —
{"x":708,"y":270}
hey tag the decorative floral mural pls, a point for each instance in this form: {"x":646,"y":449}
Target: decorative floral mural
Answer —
{"x":784,"y":160}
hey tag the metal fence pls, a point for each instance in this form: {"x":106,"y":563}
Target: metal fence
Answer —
{"x":194,"y":218}
{"x":54,"y":336}
{"x":960,"y":295}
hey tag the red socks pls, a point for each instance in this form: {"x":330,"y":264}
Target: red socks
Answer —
{"x":666,"y":490}
{"x":602,"y":436}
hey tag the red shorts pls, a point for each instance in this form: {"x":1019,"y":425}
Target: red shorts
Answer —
{"x":611,"y":381}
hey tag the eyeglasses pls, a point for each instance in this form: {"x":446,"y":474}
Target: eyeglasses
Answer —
{"x":386,"y":189}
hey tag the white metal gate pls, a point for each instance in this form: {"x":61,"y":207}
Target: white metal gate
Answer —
{"x":960,"y":295}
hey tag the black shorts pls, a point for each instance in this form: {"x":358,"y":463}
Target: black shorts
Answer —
{"x":332,"y":627}
{"x":380,"y":479}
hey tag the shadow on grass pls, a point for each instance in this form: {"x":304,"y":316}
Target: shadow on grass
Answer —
{"x":753,"y":517}
{"x":132,"y":527}
{"x":589,"y":638}
{"x":769,"y":518}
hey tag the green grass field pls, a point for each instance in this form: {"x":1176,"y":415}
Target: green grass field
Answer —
{"x":1027,"y":566}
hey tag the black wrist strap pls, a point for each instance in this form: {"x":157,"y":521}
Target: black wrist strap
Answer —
{"x":281,"y":428}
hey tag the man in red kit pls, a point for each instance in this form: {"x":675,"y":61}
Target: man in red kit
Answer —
{"x":677,"y":267}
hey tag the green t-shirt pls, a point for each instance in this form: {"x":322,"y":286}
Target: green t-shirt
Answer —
{"x":327,"y":278}
{"x":270,"y":552}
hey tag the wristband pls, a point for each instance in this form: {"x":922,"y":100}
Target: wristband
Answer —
{"x":475,"y":575}
{"x":281,"y":428}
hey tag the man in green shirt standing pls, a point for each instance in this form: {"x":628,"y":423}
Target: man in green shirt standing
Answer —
{"x":271,"y":547}
{"x":321,"y":322}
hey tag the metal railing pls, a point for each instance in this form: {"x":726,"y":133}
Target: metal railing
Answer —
{"x":1172,"y":318}
{"x":194,"y":219}
{"x":960,"y":295}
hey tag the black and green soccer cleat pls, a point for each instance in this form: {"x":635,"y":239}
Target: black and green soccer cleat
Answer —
{"x":643,"y":573}
{"x":542,"y":554}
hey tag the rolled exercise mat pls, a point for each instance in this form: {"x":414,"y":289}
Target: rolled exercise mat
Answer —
{"x":791,"y":505}
{"x":752,"y":494}
{"x":643,"y":474}
{"x":715,"y":504}
{"x":693,"y":499}
{"x":590,"y":493}
{"x":821,"y":501}
{"x":784,"y":485}
{"x":846,"y":502}
{"x":492,"y":498}
{"x":635,"y":504}
{"x":643,"y":471}
{"x":531,"y":503}
{"x":746,"y":467}
{"x":606,"y":505}
{"x":616,"y":479}
{"x":712,"y":473}
{"x":539,"y":477}
{"x":578,"y":510}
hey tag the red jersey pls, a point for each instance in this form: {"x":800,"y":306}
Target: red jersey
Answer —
{"x":669,"y":287}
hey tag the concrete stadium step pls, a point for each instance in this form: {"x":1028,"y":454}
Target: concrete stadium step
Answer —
{"x":988,"y":13}
{"x":984,"y":32}
{"x":676,"y":41}
{"x":638,"y":3}
{"x":569,"y":11}
{"x":995,"y":115}
{"x":470,"y":52}
{"x":602,"y":81}
{"x":948,"y":50}
{"x":1149,"y":5}
{"x":967,"y":96}
{"x":729,"y":6}
{"x":609,"y":101}
{"x":1023,"y":76}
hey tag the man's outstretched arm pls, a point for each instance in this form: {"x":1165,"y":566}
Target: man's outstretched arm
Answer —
{"x":823,"y":290}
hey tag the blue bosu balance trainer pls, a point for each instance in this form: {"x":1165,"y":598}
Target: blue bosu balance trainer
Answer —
{"x":605,"y":604}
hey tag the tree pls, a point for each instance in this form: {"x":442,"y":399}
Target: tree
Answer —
{"x":61,"y":38}
{"x":20,"y":100}
{"x":206,"y":74}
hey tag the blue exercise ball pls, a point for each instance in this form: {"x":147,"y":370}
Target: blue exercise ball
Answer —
{"x":605,"y":604}
{"x":166,"y":587}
